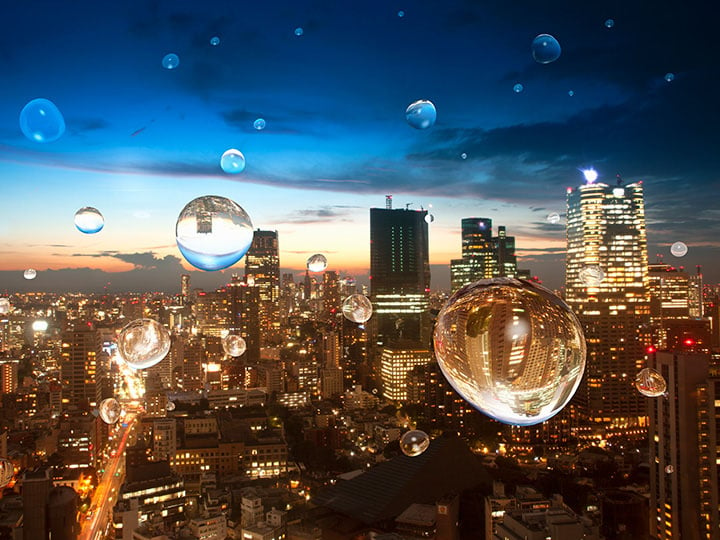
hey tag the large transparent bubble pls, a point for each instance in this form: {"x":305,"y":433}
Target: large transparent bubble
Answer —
{"x":357,"y":308}
{"x":679,"y":249}
{"x":650,"y":383}
{"x":110,"y":410}
{"x":89,"y":220}
{"x":545,"y":49}
{"x":213,"y":232}
{"x":6,"y":472}
{"x":511,"y":348}
{"x":234,"y":345}
{"x":232,"y":161}
{"x":30,"y":273}
{"x":415,"y":442}
{"x":421,"y":114}
{"x":591,"y":275}
{"x":4,"y":306}
{"x":143,"y":343}
{"x":42,"y":121}
{"x":317,"y":262}
{"x":170,"y":61}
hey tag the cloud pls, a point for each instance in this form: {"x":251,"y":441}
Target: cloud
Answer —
{"x":321,"y":214}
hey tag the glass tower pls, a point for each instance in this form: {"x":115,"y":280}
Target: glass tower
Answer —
{"x":606,"y":228}
{"x":262,"y":270}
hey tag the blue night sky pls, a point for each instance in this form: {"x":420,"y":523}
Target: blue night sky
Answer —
{"x":142,"y":141}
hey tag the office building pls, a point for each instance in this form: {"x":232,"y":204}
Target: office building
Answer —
{"x":80,"y":347}
{"x":62,"y":513}
{"x":262,"y":270}
{"x":399,"y":274}
{"x":606,"y":228}
{"x":396,"y":363}
{"x":35,"y":493}
{"x":8,"y":375}
{"x":244,"y":317}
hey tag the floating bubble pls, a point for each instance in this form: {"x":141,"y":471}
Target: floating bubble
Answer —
{"x":415,"y":442}
{"x":429,"y":218}
{"x":609,"y":23}
{"x":554,"y":218}
{"x":259,"y":124}
{"x":39,"y":326}
{"x":679,"y":249}
{"x":110,"y":410}
{"x":650,"y":383}
{"x":375,"y":391}
{"x":518,"y":88}
{"x":4,"y":306}
{"x":30,"y":273}
{"x":463,"y":155}
{"x":234,"y":345}
{"x":357,"y":308}
{"x":214,"y":41}
{"x":213,"y":232}
{"x":669,"y":469}
{"x":170,"y":406}
{"x":545,"y":49}
{"x":6,"y":472}
{"x":89,"y":220}
{"x":421,"y":114}
{"x":591,"y":275}
{"x":170,"y":61}
{"x":571,"y":93}
{"x":618,"y":192}
{"x":401,"y":13}
{"x":299,"y":31}
{"x":232,"y":161}
{"x":142,"y":343}
{"x":511,"y":348}
{"x":317,"y":263}
{"x":42,"y":121}
{"x":669,"y":77}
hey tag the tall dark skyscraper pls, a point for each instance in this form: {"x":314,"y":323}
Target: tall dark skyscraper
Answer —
{"x":262,"y":270}
{"x":606,"y":229}
{"x":483,"y":255}
{"x":399,"y":273}
{"x":78,"y":363}
{"x":244,"y":306}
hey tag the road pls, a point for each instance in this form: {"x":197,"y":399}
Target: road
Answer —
{"x":108,"y":489}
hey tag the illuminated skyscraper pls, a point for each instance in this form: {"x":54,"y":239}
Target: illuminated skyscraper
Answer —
{"x":262,"y":269}
{"x":80,"y":347}
{"x":396,"y":364}
{"x":399,"y":273}
{"x":244,"y":310}
{"x":606,"y":228}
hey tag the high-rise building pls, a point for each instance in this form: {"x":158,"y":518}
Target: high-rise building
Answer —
{"x":396,"y":363}
{"x":35,"y":493}
{"x":184,"y":288}
{"x":399,"y":274}
{"x":683,"y":450}
{"x":78,"y":363}
{"x":262,"y":270}
{"x":484,"y":256}
{"x":244,"y":310}
{"x":8,"y":376}
{"x":669,"y":289}
{"x":606,"y":229}
{"x":331,"y":294}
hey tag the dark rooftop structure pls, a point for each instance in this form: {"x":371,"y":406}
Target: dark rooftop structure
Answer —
{"x":385,"y":491}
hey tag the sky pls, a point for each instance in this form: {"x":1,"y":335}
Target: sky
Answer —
{"x":141,"y":141}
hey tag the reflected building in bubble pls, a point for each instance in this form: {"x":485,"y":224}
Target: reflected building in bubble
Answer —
{"x":606,"y":228}
{"x":399,"y":275}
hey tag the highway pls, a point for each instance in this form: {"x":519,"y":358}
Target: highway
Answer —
{"x":107,"y":491}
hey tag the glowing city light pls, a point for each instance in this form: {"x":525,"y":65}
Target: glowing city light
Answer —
{"x":590,"y":175}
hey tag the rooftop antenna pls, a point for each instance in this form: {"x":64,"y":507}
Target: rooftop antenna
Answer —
{"x":408,"y":205}
{"x":388,"y":202}
{"x":619,"y":179}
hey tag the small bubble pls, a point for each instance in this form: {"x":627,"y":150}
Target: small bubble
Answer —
{"x":553,"y":218}
{"x":401,"y":13}
{"x":89,"y":220}
{"x":317,"y":262}
{"x":679,"y":249}
{"x":421,"y":114}
{"x":259,"y":124}
{"x":571,"y":93}
{"x":669,"y":77}
{"x":357,"y":308}
{"x":170,"y":61}
{"x":429,"y":218}
{"x":669,"y":469}
{"x":232,"y":161}
{"x":110,"y":410}
{"x":299,"y":31}
{"x":463,"y":155}
{"x":234,"y":345}
{"x":41,"y":121}
{"x":415,"y":442}
{"x":518,"y":88}
{"x":650,"y":383}
{"x":591,"y":275}
{"x":609,"y":23}
{"x":214,"y":41}
{"x":30,"y":273}
{"x":545,"y":49}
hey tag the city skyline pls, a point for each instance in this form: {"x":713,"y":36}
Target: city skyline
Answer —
{"x":142,"y":141}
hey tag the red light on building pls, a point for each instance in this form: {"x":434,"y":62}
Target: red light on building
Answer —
{"x":650,"y":349}
{"x":689,"y":342}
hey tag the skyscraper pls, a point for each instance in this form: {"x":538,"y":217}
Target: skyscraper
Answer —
{"x":399,"y":273}
{"x":262,"y":270}
{"x":683,"y":451}
{"x":78,"y":364}
{"x":606,"y":228}
{"x":244,"y":309}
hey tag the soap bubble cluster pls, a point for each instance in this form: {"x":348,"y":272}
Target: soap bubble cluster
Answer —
{"x":357,"y":308}
{"x":143,"y":343}
{"x":415,"y":442}
{"x":213,"y":232}
{"x":511,"y":348}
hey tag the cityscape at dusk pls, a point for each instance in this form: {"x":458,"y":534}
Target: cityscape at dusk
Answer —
{"x":359,"y":271}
